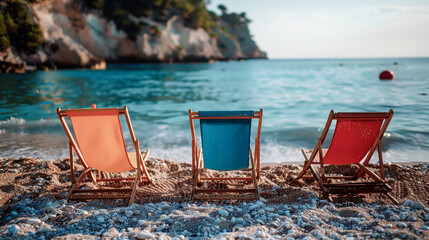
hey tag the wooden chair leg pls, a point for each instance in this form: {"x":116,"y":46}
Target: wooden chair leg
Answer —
{"x":254,"y":174}
{"x":305,"y":168}
{"x":138,"y":175}
{"x":77,"y":183}
{"x":196,"y":178}
{"x":143,"y":166}
{"x":380,"y":160}
{"x":136,"y":180}
{"x":320,"y":182}
{"x":199,"y":163}
{"x":134,"y":191}
{"x":194,"y":185}
{"x":394,"y":200}
{"x":73,"y":176}
{"x":322,"y":167}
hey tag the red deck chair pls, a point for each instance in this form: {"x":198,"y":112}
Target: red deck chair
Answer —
{"x":356,"y":137}
{"x":98,"y":141}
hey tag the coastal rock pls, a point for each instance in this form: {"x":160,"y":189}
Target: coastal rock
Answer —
{"x":70,"y":54}
{"x":11,"y":61}
{"x":38,"y":59}
{"x":75,"y":37}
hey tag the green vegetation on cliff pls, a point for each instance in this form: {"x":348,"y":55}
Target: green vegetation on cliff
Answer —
{"x":17,"y":29}
{"x":193,"y":12}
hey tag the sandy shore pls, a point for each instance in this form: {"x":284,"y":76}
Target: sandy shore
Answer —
{"x":32,"y":206}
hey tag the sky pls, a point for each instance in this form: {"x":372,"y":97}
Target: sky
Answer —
{"x":336,"y":29}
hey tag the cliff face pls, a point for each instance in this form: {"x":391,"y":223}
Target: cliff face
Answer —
{"x":76,"y":38}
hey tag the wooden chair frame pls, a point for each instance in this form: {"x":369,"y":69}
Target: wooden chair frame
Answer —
{"x":103,"y":193}
{"x":378,"y":184}
{"x":198,"y":163}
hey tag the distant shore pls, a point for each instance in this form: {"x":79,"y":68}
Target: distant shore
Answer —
{"x":32,"y":205}
{"x":23,"y":67}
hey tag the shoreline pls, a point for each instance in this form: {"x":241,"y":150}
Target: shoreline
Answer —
{"x":32,"y":205}
{"x":101,"y":64}
{"x":300,"y":163}
{"x":263,"y":164}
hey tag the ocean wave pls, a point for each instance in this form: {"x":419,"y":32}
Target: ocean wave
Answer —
{"x":12,"y":120}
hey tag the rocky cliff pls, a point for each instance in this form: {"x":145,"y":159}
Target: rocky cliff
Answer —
{"x":75,"y":36}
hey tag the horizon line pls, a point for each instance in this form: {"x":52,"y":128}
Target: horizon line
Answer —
{"x":333,"y":58}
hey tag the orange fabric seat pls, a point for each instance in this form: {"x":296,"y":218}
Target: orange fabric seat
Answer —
{"x":98,"y":141}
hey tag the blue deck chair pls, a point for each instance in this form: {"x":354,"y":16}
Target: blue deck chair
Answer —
{"x":225,"y":140}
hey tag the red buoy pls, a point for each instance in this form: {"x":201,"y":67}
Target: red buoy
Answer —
{"x":93,"y":106}
{"x":387,"y":75}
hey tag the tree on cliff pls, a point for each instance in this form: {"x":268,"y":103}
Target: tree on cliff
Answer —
{"x":193,"y":12}
{"x":222,"y":8}
{"x":20,"y":30}
{"x":4,"y":37}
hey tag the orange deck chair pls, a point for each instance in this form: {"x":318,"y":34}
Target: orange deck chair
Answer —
{"x":225,"y":146}
{"x":356,"y":137}
{"x":98,"y":141}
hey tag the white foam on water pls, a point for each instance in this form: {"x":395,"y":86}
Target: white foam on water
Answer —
{"x":12,"y":119}
{"x":177,"y":154}
{"x":276,"y":153}
{"x":270,"y":153}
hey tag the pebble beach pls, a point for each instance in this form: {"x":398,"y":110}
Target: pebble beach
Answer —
{"x":33,"y":206}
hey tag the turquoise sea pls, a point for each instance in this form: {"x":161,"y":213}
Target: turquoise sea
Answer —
{"x":296,"y":96}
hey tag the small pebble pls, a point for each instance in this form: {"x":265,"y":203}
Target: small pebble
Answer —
{"x":145,"y":235}
{"x":401,"y":225}
{"x":223,"y":212}
{"x":45,"y":229}
{"x":418,"y":206}
{"x":13,"y":230}
{"x":128,"y":213}
{"x":407,"y":203}
{"x":33,"y":221}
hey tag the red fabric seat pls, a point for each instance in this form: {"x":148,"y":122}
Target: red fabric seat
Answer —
{"x":351,"y":141}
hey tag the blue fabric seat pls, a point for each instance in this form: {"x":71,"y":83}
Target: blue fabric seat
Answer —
{"x":226,"y":142}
